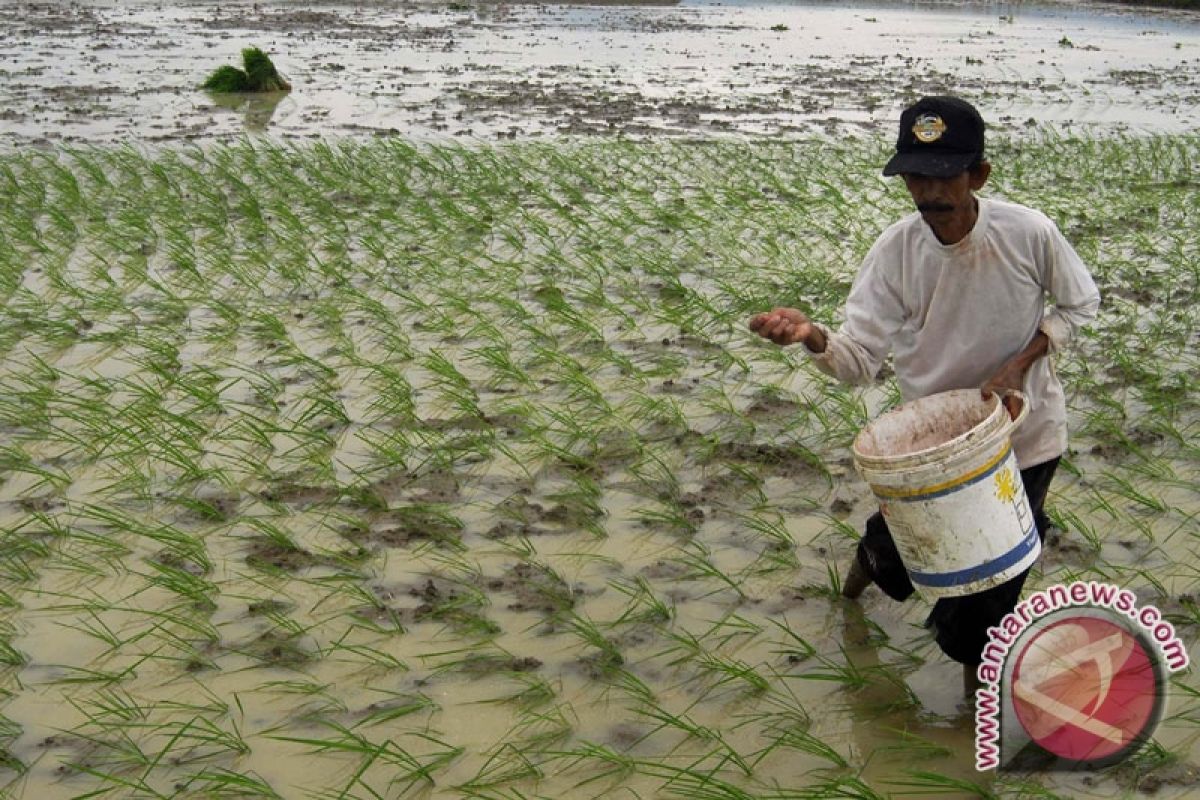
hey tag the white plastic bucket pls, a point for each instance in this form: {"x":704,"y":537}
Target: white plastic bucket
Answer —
{"x":948,"y":485}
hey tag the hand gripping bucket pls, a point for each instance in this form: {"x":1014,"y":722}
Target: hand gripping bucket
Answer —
{"x":948,"y":485}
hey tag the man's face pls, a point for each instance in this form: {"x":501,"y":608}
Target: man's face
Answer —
{"x":942,"y":199}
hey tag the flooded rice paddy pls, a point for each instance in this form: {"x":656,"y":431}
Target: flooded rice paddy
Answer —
{"x":114,"y":71}
{"x":410,"y":466}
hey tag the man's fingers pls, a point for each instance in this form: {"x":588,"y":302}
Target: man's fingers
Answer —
{"x":771,"y":326}
{"x":787,"y":333}
{"x":782,"y":325}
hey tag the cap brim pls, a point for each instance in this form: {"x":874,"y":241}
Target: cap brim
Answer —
{"x":935,"y":165}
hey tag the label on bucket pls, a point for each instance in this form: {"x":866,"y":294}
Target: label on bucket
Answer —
{"x":965,"y":534}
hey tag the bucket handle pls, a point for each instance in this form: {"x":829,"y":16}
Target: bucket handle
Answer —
{"x":1024,"y":412}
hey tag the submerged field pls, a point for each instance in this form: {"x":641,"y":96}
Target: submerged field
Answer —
{"x":381,"y":470}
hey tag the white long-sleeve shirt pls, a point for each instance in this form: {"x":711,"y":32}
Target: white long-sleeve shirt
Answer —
{"x":952,"y":315}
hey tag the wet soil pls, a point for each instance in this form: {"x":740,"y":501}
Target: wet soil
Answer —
{"x":95,"y":71}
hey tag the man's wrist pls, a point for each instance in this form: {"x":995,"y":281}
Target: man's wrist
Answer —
{"x":816,"y":341}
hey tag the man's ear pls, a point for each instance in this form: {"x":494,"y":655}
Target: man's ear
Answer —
{"x":979,"y":175}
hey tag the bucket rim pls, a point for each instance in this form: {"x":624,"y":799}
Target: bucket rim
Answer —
{"x":985,"y":429}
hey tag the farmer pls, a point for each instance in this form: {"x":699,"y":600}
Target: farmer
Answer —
{"x":957,"y":292}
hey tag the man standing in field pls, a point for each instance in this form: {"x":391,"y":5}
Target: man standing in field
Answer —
{"x":957,"y":292}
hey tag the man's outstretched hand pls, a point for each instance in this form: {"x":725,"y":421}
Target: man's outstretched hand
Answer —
{"x":788,"y":326}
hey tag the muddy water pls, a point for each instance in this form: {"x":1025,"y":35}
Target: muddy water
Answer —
{"x":127,"y":71}
{"x":293,"y":640}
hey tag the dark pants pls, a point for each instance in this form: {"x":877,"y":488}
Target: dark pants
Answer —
{"x":959,"y":623}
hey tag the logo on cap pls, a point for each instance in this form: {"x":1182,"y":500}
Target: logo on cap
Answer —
{"x":928,"y":128}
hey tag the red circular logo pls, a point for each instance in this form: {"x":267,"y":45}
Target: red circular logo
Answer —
{"x":1086,"y":688}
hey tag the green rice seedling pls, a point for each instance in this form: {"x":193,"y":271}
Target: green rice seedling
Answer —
{"x":1190,"y":713}
{"x":733,"y":423}
{"x":186,"y":548}
{"x":671,"y":517}
{"x":98,"y":629}
{"x":537,"y":730}
{"x":606,"y":763}
{"x":607,"y":657}
{"x":794,"y":647}
{"x":696,"y":558}
{"x":732,"y":627}
{"x":850,"y":787}
{"x":10,"y":655}
{"x":915,"y":746}
{"x":376,"y":657}
{"x":1126,"y":489}
{"x":506,"y":764}
{"x":724,"y":669}
{"x":199,"y":592}
{"x":927,"y":783}
{"x":644,"y":605}
{"x":499,"y":358}
{"x":780,"y":548}
{"x":846,"y":672}
{"x":805,"y":741}
{"x":400,"y":705}
{"x":534,"y":691}
{"x":14,"y":459}
{"x":1068,"y":520}
{"x":309,"y":699}
{"x":690,"y":730}
{"x":406,"y":769}
{"x":579,"y":505}
{"x":224,"y":783}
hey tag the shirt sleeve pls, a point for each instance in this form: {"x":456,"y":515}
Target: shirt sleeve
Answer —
{"x":1076,"y":298}
{"x":874,"y":313}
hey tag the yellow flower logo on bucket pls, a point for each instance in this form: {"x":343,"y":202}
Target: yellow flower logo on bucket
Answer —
{"x":1006,"y":485}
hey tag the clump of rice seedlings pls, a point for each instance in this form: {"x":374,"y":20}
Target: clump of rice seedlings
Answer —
{"x":258,"y":75}
{"x":605,"y":656}
{"x":645,"y":606}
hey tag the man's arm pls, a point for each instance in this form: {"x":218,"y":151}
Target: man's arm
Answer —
{"x":1076,"y":301}
{"x":855,"y":352}
{"x":1012,"y":374}
{"x":1076,"y":298}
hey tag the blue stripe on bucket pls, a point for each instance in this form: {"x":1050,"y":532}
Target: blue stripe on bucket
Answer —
{"x":910,"y":496}
{"x":993,"y":567}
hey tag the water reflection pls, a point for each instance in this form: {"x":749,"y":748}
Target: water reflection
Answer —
{"x":256,"y":108}
{"x":901,"y":743}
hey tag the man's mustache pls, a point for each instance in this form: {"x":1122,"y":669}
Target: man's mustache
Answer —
{"x":927,"y":207}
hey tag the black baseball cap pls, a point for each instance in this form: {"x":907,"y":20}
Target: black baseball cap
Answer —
{"x":939,"y":137}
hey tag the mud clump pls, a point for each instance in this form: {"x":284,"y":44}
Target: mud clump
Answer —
{"x":537,"y":588}
{"x":275,"y":648}
{"x":403,"y":526}
{"x":460,"y":608}
{"x":297,"y":494}
{"x":269,"y":555}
